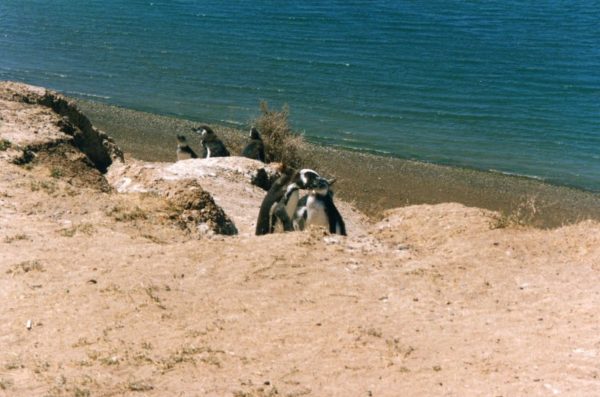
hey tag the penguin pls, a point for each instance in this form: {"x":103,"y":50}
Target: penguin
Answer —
{"x":255,"y":149}
{"x":273,"y":196}
{"x":213,"y":146}
{"x":317,"y":208}
{"x":279,"y":204}
{"x":184,"y":151}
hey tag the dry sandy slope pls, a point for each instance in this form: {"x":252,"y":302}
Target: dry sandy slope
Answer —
{"x":429,"y":301}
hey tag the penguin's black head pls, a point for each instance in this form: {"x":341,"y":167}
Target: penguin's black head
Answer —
{"x":205,"y":132}
{"x":320,"y":187}
{"x":254,"y":134}
{"x":308,"y":179}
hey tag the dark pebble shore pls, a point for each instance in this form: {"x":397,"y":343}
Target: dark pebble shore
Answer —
{"x":372,"y":183}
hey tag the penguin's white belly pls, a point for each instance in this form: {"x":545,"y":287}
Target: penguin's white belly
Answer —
{"x":315,"y":213}
{"x":292,"y":204}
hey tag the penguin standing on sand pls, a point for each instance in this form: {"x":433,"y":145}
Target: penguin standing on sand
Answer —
{"x":317,"y":208}
{"x":279,"y":205}
{"x":184,"y":151}
{"x":213,"y":146}
{"x":255,"y":149}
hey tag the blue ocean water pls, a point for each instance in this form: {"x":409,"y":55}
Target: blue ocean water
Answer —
{"x":511,"y":86}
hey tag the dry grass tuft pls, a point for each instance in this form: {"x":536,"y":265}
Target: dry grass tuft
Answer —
{"x":521,"y":215}
{"x":16,"y":237}
{"x":26,"y":267}
{"x":140,"y":386}
{"x":123,"y":214}
{"x":281,"y":143}
{"x":86,"y":228}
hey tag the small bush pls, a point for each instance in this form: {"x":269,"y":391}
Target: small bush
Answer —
{"x":281,"y":143}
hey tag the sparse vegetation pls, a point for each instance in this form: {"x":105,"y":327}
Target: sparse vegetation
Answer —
{"x":81,"y":392}
{"x":121,"y":214}
{"x":140,"y":386}
{"x":85,"y":228}
{"x":49,"y":187}
{"x":151,"y":292}
{"x":111,"y":360}
{"x":281,"y":143}
{"x":56,"y":173}
{"x":16,"y":237}
{"x":5,"y":384}
{"x":13,"y":365}
{"x":4,"y":145}
{"x":26,"y":267}
{"x":521,"y":215}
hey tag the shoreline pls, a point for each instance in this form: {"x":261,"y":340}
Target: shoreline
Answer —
{"x":383,"y":182}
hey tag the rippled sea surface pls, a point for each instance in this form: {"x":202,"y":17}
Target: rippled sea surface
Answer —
{"x":507,"y":86}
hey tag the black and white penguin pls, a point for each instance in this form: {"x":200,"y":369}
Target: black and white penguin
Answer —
{"x":184,"y":151}
{"x":255,"y":149}
{"x":213,"y":146}
{"x":317,"y":208}
{"x":279,"y":205}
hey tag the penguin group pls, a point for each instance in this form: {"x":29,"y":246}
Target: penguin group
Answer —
{"x":212,"y":146}
{"x":283,"y":208}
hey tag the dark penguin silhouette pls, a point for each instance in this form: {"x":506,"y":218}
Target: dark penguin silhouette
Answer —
{"x":279,"y":205}
{"x":213,"y":146}
{"x":317,"y":208}
{"x":184,"y":151}
{"x":255,"y":149}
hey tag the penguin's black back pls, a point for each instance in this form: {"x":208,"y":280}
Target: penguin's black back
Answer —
{"x":333,"y":215}
{"x":255,"y":149}
{"x":216,"y":148}
{"x":274,"y":195}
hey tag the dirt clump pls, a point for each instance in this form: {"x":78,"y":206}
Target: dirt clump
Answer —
{"x":67,"y":163}
{"x":195,"y":210}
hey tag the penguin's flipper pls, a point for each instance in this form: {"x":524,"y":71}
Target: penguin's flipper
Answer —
{"x":281,"y":214}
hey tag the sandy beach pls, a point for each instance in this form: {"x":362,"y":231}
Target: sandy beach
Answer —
{"x":112,"y":287}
